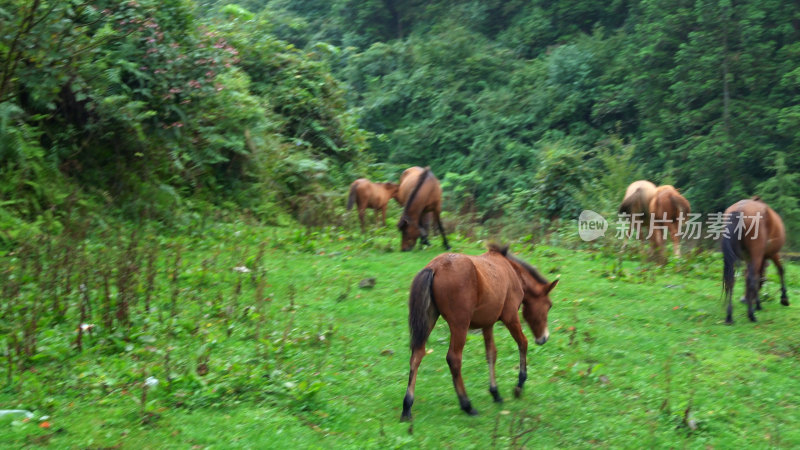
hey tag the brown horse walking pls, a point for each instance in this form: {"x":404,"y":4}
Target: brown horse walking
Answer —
{"x":421,"y":194}
{"x":637,"y":203}
{"x":668,"y":206}
{"x":476,"y":292}
{"x":366,"y":194}
{"x":754,"y":233}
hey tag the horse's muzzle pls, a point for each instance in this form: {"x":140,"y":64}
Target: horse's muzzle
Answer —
{"x":543,"y":338}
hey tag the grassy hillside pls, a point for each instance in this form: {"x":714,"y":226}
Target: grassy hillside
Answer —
{"x":292,"y":350}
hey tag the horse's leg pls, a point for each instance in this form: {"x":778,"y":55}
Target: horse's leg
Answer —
{"x":458,"y":338}
{"x":441,"y":229}
{"x":676,"y":239}
{"x":751,"y":290}
{"x":777,"y":260}
{"x":416,"y":358}
{"x":515,"y":328}
{"x":761,"y":280}
{"x":361,"y":209}
{"x":729,"y":301}
{"x":408,"y":400}
{"x":424,"y":228}
{"x":378,"y":218}
{"x":660,"y":246}
{"x":491,"y":358}
{"x":658,"y":237}
{"x":758,"y":283}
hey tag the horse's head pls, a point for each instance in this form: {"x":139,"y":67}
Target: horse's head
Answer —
{"x":411,"y":232}
{"x":536,"y":301}
{"x":535,"y":306}
{"x":393,"y":189}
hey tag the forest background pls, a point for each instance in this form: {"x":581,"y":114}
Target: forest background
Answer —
{"x":529,"y":111}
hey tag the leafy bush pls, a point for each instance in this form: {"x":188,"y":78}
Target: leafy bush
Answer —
{"x":138,"y":104}
{"x":557,"y":182}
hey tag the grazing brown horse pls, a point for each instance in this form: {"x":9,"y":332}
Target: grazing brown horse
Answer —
{"x":366,"y":194}
{"x":637,"y":201}
{"x":668,"y":205}
{"x":421,"y":194}
{"x":476,"y":292}
{"x":754,"y":233}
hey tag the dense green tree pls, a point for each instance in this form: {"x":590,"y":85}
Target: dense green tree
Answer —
{"x":512,"y":103}
{"x":707,"y":106}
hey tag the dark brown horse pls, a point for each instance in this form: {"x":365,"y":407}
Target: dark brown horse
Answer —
{"x":668,"y":206}
{"x":421,"y":194}
{"x":754,"y":233}
{"x":476,"y":292}
{"x":366,"y":194}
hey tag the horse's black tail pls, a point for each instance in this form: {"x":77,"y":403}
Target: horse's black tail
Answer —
{"x":731,"y":252}
{"x":352,"y":197}
{"x":422,"y":311}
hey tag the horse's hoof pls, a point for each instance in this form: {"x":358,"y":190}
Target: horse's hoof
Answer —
{"x":728,"y":321}
{"x":784,"y":301}
{"x":517,"y":392}
{"x":496,"y":395}
{"x":405,"y":418}
{"x":752,"y":318}
{"x":466,"y":406}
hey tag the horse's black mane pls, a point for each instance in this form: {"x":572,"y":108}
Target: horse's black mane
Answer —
{"x":422,"y":177}
{"x":503,"y":250}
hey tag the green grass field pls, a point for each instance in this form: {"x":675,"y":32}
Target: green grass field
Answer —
{"x":294,"y":353}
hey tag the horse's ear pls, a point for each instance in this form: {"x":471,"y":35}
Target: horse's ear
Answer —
{"x":551,"y":286}
{"x":495,"y":247}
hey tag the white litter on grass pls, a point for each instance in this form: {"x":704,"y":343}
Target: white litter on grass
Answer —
{"x":241,"y":269}
{"x":151,"y":382}
{"x":13,"y":412}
